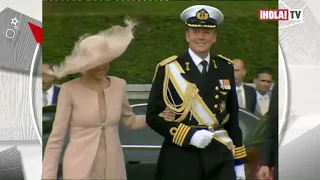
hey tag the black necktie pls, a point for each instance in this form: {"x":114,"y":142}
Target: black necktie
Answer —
{"x":204,"y":64}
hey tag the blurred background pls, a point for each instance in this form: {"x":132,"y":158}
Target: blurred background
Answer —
{"x":161,"y":33}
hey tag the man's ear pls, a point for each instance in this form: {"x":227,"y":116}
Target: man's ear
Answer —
{"x":244,"y":72}
{"x":187,"y":36}
{"x":215,"y":36}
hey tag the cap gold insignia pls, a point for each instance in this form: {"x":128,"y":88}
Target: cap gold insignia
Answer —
{"x":222,"y":106}
{"x":187,"y":66}
{"x":202,"y":15}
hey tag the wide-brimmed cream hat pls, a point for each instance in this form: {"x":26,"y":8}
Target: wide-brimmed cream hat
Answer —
{"x":93,"y":50}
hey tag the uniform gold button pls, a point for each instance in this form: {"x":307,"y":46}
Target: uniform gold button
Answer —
{"x":216,"y":106}
{"x":217,"y":96}
{"x":217,"y":88}
{"x":210,"y":127}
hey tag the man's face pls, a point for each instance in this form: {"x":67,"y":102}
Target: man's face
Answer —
{"x":239,"y":71}
{"x":263,"y":82}
{"x":200,"y":39}
{"x":47,"y":80}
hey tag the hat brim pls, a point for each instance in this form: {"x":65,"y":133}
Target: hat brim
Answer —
{"x":93,"y":51}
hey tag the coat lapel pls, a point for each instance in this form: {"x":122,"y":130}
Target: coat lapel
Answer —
{"x":192,"y":73}
{"x":210,"y":80}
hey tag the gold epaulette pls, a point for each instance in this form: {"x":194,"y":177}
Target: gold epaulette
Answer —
{"x":225,"y":58}
{"x":168,"y":60}
{"x":164,"y":62}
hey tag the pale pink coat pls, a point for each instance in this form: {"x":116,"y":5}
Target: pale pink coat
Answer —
{"x":78,"y":111}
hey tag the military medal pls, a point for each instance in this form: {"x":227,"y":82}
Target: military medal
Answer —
{"x":222,"y":106}
{"x":225,"y":84}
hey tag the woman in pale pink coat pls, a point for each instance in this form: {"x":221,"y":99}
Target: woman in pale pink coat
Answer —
{"x":91,"y":108}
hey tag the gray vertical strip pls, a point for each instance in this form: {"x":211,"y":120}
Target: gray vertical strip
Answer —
{"x":10,"y":165}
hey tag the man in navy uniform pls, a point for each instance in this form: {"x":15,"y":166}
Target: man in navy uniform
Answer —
{"x":205,"y":140}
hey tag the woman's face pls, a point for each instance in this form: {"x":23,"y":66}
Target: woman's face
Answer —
{"x":99,"y":71}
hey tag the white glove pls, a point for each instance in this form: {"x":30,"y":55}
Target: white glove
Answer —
{"x":201,"y":138}
{"x":240,"y":172}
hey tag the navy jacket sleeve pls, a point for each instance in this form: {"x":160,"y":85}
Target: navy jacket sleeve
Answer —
{"x":178,"y":133}
{"x":232,"y":126}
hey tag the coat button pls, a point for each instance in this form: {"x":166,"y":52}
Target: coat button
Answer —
{"x":217,"y":88}
{"x":103,"y":127}
{"x":217,"y":97}
{"x":216,"y":106}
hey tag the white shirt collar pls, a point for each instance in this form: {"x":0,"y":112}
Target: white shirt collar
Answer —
{"x":50,"y":93}
{"x":239,"y":87}
{"x":260,"y":96}
{"x":196,"y":59}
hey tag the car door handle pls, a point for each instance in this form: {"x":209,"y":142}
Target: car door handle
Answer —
{"x":134,"y":162}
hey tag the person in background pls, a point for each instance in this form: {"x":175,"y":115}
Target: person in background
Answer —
{"x":247,"y":97}
{"x":50,"y":91}
{"x":269,"y":149}
{"x":263,"y":82}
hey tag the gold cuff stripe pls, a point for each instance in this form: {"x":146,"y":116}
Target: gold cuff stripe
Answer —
{"x":183,"y":136}
{"x":240,"y":147}
{"x":239,"y":157}
{"x":237,"y":153}
{"x":241,"y":150}
{"x":177,"y":131}
{"x":240,"y":154}
{"x":180,"y":134}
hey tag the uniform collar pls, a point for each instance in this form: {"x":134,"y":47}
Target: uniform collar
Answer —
{"x":196,"y":59}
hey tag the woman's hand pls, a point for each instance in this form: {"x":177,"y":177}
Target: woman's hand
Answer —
{"x":168,"y":115}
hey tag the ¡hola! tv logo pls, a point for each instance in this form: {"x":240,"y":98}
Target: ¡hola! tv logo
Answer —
{"x":281,"y":14}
